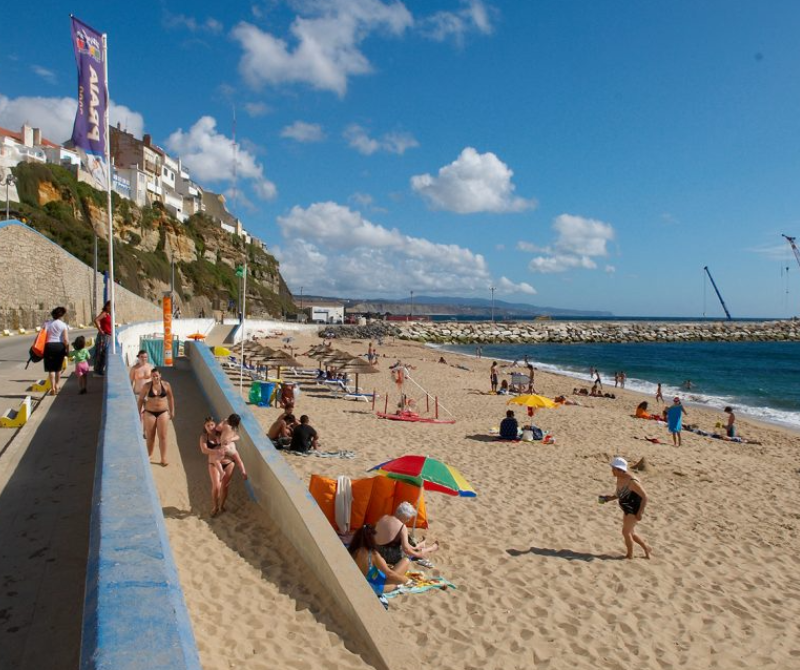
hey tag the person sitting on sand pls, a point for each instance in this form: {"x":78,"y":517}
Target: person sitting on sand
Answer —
{"x":304,"y":437}
{"x":509,"y":427}
{"x":391,"y":538}
{"x":594,"y":392}
{"x":504,"y":390}
{"x":380,"y":576}
{"x":643,"y":413}
{"x":632,"y":499}
{"x":442,"y":361}
{"x":280,"y":432}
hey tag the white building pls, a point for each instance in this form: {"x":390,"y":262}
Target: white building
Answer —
{"x":327,"y":313}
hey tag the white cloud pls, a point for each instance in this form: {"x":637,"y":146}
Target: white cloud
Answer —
{"x":505,"y":285}
{"x":330,"y":247}
{"x":393,"y":143}
{"x":209,"y":155}
{"x":55,"y":116}
{"x":304,"y":132}
{"x":533,"y":248}
{"x":578,"y":241}
{"x":472,"y":183}
{"x":473,"y":17}
{"x":256,"y":109}
{"x":610,"y":269}
{"x":210,"y":25}
{"x":48,"y":75}
{"x":560,"y":263}
{"x":324,"y":50}
{"x":366,"y":202}
{"x":582,"y":236}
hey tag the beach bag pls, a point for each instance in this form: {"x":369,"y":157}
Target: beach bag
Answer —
{"x":36,"y":352}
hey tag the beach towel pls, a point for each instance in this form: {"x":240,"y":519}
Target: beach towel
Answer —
{"x":343,"y":503}
{"x":674,"y":418}
{"x":343,"y":453}
{"x":421,"y":583}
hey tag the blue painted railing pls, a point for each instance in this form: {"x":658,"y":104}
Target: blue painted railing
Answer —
{"x":134,"y":612}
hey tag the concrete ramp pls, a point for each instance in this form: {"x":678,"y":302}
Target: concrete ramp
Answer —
{"x":221,"y":334}
{"x":238,"y":567}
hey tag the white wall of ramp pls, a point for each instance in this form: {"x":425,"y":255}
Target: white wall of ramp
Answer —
{"x":289,"y":506}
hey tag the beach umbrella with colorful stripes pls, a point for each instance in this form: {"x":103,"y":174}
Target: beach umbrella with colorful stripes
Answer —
{"x":428,"y":473}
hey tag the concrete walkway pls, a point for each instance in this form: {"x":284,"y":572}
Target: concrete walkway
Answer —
{"x":46,"y":479}
{"x":220,"y":335}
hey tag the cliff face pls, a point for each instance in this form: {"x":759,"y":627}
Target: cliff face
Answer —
{"x":148,"y":241}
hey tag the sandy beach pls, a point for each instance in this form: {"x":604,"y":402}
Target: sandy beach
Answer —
{"x":537,"y":561}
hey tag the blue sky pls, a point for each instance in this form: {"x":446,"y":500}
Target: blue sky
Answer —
{"x":580,"y":154}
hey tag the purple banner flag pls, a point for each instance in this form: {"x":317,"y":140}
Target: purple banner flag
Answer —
{"x":89,"y":131}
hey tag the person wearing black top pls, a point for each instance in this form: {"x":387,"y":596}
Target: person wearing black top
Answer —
{"x":304,"y":437}
{"x":509,"y":428}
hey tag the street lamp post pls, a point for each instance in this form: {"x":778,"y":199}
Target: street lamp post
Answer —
{"x":411,"y":307}
{"x":301,"y":299}
{"x":10,"y":179}
{"x":492,"y":304}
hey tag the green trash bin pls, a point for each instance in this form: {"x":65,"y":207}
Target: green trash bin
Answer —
{"x":255,"y":394}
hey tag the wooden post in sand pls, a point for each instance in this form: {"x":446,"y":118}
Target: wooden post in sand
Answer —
{"x":437,"y":407}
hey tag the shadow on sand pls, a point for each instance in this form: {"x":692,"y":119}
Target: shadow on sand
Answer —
{"x":566,"y":554}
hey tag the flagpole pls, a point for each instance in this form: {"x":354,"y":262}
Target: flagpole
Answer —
{"x":241,"y":358}
{"x":110,"y":216}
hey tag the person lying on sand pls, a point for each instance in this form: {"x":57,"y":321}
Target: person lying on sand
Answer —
{"x":563,"y":400}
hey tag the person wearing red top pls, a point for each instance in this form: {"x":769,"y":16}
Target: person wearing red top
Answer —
{"x":103,"y":324}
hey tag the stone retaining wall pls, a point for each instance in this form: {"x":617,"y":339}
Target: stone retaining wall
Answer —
{"x":38,"y":275}
{"x":607,"y":332}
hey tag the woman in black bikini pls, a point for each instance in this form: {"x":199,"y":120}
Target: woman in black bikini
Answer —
{"x":391,"y":539}
{"x":632,"y":499}
{"x":210,"y":445}
{"x":157,"y":405}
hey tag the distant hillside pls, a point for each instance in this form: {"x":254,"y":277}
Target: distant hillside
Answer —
{"x":146,"y":240}
{"x":451,"y":306}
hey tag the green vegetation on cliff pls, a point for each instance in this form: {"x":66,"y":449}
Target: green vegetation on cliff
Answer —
{"x":70,"y":212}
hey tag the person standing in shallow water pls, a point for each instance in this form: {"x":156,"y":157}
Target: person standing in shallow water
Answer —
{"x":632,"y":500}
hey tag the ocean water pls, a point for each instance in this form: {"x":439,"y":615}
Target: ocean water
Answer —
{"x":761,"y":379}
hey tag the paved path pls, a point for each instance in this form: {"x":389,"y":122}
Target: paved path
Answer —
{"x":46,"y":478}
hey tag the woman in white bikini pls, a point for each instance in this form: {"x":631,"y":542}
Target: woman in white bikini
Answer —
{"x":228,"y":431}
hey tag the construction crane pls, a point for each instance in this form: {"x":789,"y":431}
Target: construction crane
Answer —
{"x":793,"y":244}
{"x":719,"y":295}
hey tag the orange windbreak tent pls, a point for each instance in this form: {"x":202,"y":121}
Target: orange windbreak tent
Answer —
{"x":372,"y":498}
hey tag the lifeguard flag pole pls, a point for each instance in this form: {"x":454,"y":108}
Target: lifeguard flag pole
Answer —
{"x":90,"y":134}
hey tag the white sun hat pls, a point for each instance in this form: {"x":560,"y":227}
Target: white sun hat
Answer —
{"x":620,"y":463}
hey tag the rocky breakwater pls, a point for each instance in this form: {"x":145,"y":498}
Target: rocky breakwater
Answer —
{"x":563,"y":332}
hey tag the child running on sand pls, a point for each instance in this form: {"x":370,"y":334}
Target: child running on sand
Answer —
{"x":80,"y":355}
